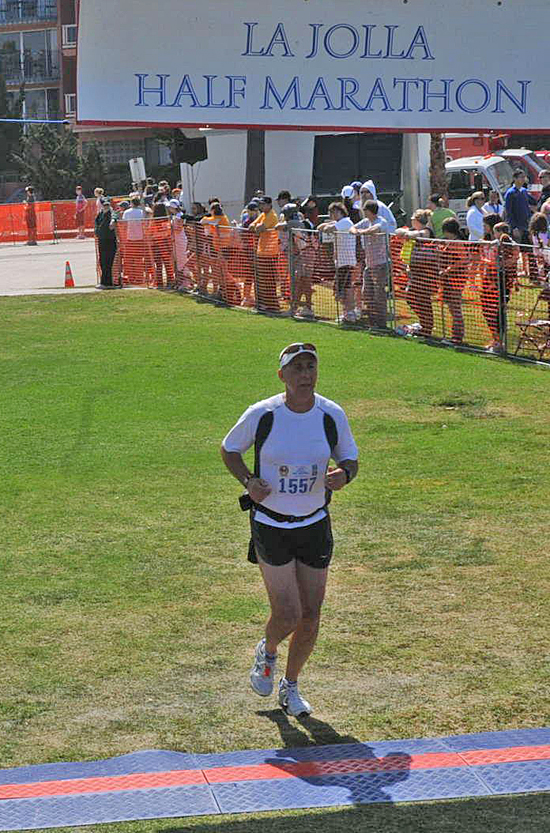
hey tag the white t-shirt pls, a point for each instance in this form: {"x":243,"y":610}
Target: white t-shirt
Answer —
{"x":295,"y":455}
{"x":344,"y":244}
{"x":134,"y":217}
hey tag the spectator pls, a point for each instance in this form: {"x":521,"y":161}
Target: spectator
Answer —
{"x":499,"y":276}
{"x":373,"y":231}
{"x":356,"y":194}
{"x":422,"y":282}
{"x":98,"y":194}
{"x":489,"y":223}
{"x":267,"y":256}
{"x":162,"y":245}
{"x":538,"y":230}
{"x":368,"y":192}
{"x":310,"y":210}
{"x":149,"y":194}
{"x":252,"y":209}
{"x":292,"y":241}
{"x":165,"y":190}
{"x":339,"y":225}
{"x":218,"y":229}
{"x":439,"y":213}
{"x":494,"y":205}
{"x":249,"y":216}
{"x":30,"y":216}
{"x":134,"y":241}
{"x":354,"y":214}
{"x":454,"y":260}
{"x":283,"y":198}
{"x":517,"y":205}
{"x":80,"y":213}
{"x":104,"y":228}
{"x":475,"y":215}
{"x":545,"y":193}
{"x":180,"y":239}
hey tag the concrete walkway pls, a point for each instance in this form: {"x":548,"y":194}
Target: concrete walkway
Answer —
{"x":26,"y":270}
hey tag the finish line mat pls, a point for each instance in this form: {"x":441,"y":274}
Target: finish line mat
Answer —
{"x":157,"y":784}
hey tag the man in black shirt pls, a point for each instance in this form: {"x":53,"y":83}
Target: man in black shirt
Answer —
{"x":106,"y":241}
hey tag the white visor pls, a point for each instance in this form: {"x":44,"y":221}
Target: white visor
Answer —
{"x":285,"y":357}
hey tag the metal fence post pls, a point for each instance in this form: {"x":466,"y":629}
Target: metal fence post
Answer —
{"x":292,"y":269}
{"x":391,"y":315}
{"x":502,"y":301}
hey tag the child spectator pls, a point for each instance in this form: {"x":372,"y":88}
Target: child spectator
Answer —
{"x":454,"y":260}
{"x":421,"y":282}
{"x":339,"y":226}
{"x":538,"y":231}
{"x":373,"y":231}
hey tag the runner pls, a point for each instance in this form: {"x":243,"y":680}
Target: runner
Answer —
{"x":295,"y":434}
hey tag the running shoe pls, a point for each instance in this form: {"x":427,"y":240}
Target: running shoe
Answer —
{"x":291,"y":701}
{"x":261,"y":673}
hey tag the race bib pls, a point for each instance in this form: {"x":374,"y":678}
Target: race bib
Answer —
{"x":297,"y":480}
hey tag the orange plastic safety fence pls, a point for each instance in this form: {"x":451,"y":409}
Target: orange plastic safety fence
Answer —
{"x":493,"y":295}
{"x":20,"y":223}
{"x":449,"y":289}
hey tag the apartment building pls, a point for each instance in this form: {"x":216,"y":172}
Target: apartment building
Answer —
{"x":38,"y":49}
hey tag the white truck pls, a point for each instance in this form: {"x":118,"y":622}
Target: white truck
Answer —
{"x":476,"y":173}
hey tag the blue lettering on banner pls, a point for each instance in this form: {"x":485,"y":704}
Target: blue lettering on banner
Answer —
{"x":279,"y":38}
{"x":159,"y":90}
{"x":459,"y":95}
{"x":354,"y":40}
{"x":292,"y":91}
{"x":345,"y":93}
{"x":520,"y":104}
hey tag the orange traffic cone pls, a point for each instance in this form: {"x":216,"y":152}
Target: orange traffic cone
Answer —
{"x":69,"y":282}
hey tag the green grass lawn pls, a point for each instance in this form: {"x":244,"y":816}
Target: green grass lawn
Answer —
{"x":129,"y":612}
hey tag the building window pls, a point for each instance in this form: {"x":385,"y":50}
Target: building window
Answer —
{"x":41,"y":104}
{"x":117,"y":152}
{"x":69,"y":34}
{"x":70,"y":104}
{"x":27,"y":11}
{"x":29,"y":56}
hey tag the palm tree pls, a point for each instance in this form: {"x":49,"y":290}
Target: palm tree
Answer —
{"x":438,"y":180}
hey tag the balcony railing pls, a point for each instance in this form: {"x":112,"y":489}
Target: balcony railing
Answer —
{"x":27,"y":11}
{"x":31,"y":67}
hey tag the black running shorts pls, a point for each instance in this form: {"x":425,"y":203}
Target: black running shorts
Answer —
{"x":312,"y":545}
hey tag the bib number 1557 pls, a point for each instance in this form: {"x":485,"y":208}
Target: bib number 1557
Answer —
{"x":296,"y":485}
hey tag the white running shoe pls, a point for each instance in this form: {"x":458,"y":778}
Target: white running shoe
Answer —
{"x":261,"y":673}
{"x":291,"y":701}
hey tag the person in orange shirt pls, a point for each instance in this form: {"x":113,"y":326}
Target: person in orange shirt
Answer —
{"x":267,"y":251}
{"x":454,"y":262}
{"x":218,"y":230}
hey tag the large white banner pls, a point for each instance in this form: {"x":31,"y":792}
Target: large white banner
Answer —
{"x":316,"y":64}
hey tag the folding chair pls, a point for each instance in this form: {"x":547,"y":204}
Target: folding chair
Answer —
{"x":535,"y":332}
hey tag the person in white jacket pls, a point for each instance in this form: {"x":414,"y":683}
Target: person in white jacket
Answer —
{"x":475,"y":216}
{"x":368,"y":192}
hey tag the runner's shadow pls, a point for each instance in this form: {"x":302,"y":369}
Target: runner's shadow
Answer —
{"x":320,"y":756}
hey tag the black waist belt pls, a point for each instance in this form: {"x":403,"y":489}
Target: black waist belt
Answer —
{"x":288,"y":519}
